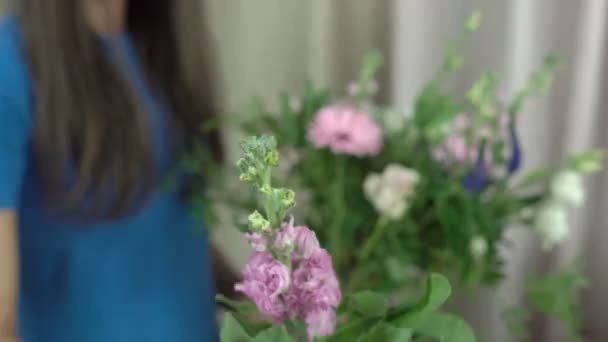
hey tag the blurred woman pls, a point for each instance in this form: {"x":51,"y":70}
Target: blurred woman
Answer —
{"x":97,"y":98}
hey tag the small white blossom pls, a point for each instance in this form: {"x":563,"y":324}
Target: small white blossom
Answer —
{"x":552,"y":224}
{"x":567,"y":188}
{"x":478,"y":247}
{"x":391,"y":191}
{"x":295,"y":104}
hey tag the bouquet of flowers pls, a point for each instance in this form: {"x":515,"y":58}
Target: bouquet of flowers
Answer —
{"x":397,"y":194}
{"x":291,"y":280}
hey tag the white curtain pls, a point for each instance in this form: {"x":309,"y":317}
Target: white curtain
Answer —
{"x":513,"y":39}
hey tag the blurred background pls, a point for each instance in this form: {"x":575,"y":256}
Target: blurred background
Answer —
{"x":270,"y":45}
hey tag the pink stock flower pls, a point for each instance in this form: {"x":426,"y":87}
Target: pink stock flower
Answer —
{"x":315,"y":283}
{"x":311,"y":291}
{"x":297,"y":239}
{"x":307,"y":243}
{"x":264,"y":280}
{"x":346,"y":131}
{"x":258,"y":242}
{"x":285,"y":237}
{"x":315,"y":294}
{"x":320,"y":323}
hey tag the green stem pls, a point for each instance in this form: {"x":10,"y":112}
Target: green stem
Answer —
{"x":374,"y":239}
{"x":269,"y":200}
{"x":339,"y":207}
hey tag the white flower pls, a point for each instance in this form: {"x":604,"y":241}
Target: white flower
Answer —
{"x":295,"y":104}
{"x":552,"y":224}
{"x":567,"y":188}
{"x":391,"y":191}
{"x":478,"y":247}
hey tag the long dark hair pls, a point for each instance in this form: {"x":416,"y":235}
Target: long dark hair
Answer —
{"x":92,"y":141}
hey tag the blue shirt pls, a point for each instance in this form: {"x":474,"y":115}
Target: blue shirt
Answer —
{"x":146,"y":278}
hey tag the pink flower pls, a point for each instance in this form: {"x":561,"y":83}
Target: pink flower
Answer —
{"x":264,"y":280}
{"x":306,"y":242}
{"x":462,"y":122}
{"x":455,"y":148}
{"x":300,"y":240}
{"x":346,"y":131}
{"x":320,"y":323}
{"x":315,"y":283}
{"x":258,"y":242}
{"x":285,"y":237}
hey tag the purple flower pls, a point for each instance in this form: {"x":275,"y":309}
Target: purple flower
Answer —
{"x":315,"y":294}
{"x":320,"y":323}
{"x":258,"y":242}
{"x":264,"y":280}
{"x":346,"y":131}
{"x":315,"y":283}
{"x":306,"y":242}
{"x":477,"y":178}
{"x":300,"y":240}
{"x":516,"y":151}
{"x":285,"y":237}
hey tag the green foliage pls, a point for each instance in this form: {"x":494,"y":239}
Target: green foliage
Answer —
{"x":473,"y":22}
{"x":445,"y":327}
{"x":373,"y":322}
{"x":371,"y":65}
{"x":274,"y":334}
{"x":587,"y":162}
{"x":438,"y":291}
{"x":538,"y":84}
{"x":387,"y":333}
{"x":232,"y":331}
{"x":369,"y":303}
{"x":556,"y":295}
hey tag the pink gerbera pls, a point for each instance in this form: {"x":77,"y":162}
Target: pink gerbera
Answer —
{"x":346,"y":131}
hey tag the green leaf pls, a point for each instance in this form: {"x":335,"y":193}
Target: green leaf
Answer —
{"x":232,"y":331}
{"x":556,"y":295}
{"x":371,"y":64}
{"x":535,"y":177}
{"x":251,"y":327}
{"x":438,"y":291}
{"x":473,"y":22}
{"x":386,"y":333}
{"x":369,"y":303}
{"x":587,"y":162}
{"x":351,"y":330}
{"x":445,"y":327}
{"x":277,"y":333}
{"x":244,"y":307}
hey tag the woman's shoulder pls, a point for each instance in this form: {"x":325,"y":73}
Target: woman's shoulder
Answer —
{"x":11,"y":40}
{"x":15,"y":80}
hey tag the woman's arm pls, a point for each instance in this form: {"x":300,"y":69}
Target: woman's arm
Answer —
{"x":9,"y":276}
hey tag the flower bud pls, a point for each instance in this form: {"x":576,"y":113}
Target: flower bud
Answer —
{"x":473,"y":22}
{"x":567,"y":188}
{"x":587,"y":162}
{"x":257,"y":222}
{"x":272,"y":158}
{"x":478,"y":247}
{"x":286,"y":197}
